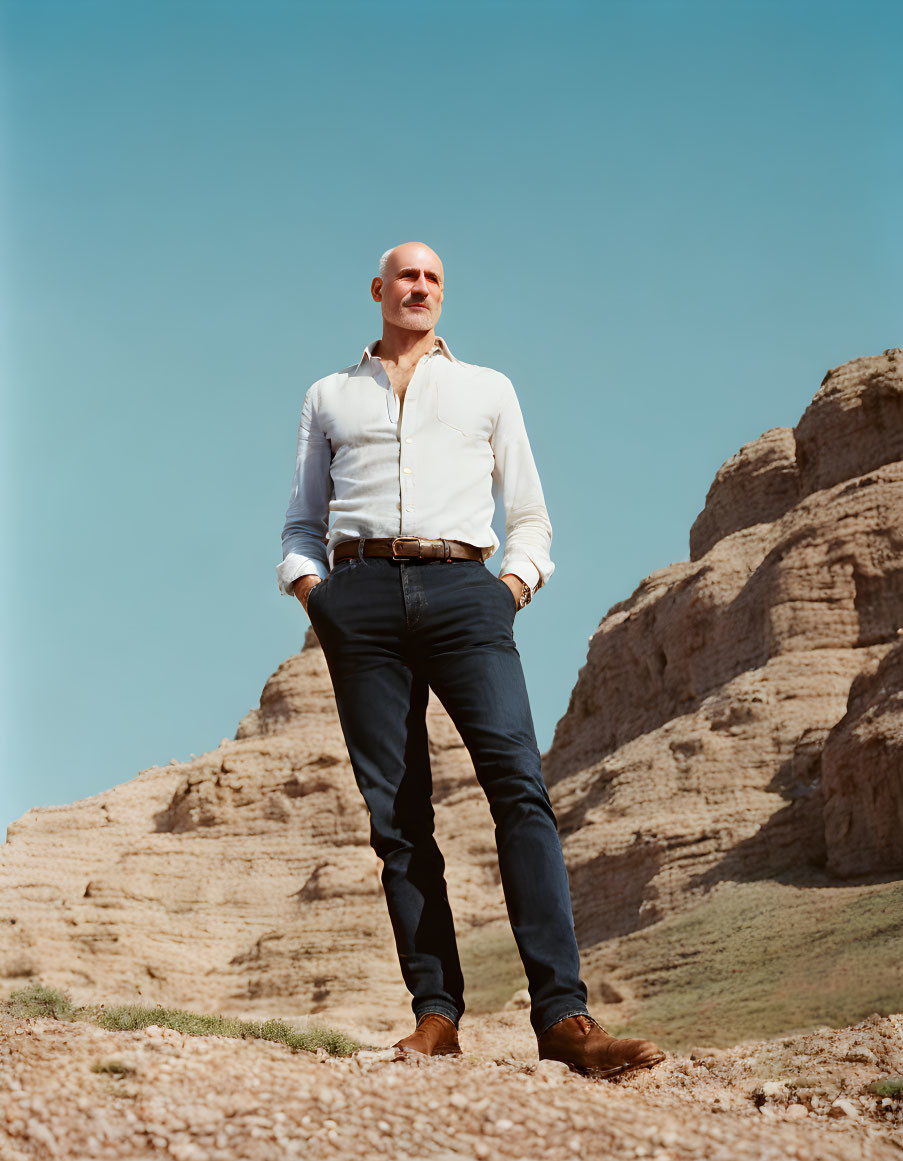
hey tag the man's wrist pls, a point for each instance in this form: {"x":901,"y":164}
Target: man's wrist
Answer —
{"x":524,"y":569}
{"x":302,"y":577}
{"x":526,"y":593}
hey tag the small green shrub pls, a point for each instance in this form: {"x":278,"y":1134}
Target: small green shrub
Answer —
{"x":888,"y":1086}
{"x":37,"y":1000}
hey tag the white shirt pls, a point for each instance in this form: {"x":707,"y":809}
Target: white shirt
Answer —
{"x":434,"y":467}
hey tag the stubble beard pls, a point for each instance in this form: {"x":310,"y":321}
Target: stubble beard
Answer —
{"x":417,"y":320}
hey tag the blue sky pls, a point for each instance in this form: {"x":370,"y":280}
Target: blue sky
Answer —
{"x":664,"y":221}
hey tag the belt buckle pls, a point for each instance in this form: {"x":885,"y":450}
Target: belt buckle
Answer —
{"x":405,"y":555}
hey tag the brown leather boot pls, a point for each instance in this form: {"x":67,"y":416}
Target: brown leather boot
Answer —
{"x":585,"y":1047}
{"x":435,"y":1035}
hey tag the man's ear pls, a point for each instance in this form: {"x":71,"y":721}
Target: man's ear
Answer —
{"x":376,"y":289}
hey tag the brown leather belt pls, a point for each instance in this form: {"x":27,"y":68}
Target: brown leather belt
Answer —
{"x":408,"y":547}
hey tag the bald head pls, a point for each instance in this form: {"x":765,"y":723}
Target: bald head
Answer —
{"x":409,"y":287}
{"x":409,"y":252}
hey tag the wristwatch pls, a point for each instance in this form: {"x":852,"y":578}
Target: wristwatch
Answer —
{"x":526,"y":595}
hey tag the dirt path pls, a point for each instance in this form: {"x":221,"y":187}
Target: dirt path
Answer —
{"x":207,"y":1098}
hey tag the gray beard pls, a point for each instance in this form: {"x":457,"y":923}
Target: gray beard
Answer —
{"x":419,"y":320}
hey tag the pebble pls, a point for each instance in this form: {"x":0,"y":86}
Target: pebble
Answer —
{"x":552,"y":1070}
{"x":367,"y":1056}
{"x":843,"y":1108}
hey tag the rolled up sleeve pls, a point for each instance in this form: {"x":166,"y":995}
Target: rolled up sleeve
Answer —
{"x":528,"y":529}
{"x":304,"y":533}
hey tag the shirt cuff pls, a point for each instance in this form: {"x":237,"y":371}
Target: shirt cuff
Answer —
{"x":296,"y":565}
{"x":525,"y":569}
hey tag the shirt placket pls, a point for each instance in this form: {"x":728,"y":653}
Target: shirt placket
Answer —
{"x":406,"y":436}
{"x":407,"y":455}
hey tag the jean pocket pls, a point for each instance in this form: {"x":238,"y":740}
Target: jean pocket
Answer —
{"x":316,"y":589}
{"x":504,"y":584}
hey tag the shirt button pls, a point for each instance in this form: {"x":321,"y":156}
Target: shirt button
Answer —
{"x":410,"y":439}
{"x":409,"y":508}
{"x":407,"y":469}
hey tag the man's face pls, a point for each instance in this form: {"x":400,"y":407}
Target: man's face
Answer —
{"x":411,"y":291}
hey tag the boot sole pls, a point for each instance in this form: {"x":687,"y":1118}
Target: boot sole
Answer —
{"x":618,"y":1070}
{"x":414,"y":1052}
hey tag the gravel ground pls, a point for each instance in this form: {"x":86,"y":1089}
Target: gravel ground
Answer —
{"x":210,"y":1098}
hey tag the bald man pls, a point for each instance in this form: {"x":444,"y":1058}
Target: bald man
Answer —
{"x":400,"y":460}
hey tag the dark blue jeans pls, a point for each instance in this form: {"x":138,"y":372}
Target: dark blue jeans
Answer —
{"x":390,"y":631}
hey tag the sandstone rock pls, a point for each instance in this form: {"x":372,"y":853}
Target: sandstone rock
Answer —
{"x":691,"y":750}
{"x":242,"y":880}
{"x":854,"y":424}
{"x":755,"y":486}
{"x":862,"y":774}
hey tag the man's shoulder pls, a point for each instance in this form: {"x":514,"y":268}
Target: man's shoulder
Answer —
{"x":477,"y":370}
{"x":333,"y":379}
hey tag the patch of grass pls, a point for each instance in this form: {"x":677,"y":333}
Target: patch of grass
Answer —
{"x":37,"y":1000}
{"x":132,"y":1016}
{"x":889,"y":1086}
{"x":755,"y":960}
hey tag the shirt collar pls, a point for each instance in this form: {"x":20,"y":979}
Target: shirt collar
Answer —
{"x":440,"y":347}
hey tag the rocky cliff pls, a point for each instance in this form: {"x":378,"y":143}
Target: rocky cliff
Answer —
{"x":741,"y":714}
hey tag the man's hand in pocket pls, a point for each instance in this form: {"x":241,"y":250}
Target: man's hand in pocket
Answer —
{"x":303,"y":586}
{"x":513,"y":581}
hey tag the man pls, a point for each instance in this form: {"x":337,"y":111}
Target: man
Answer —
{"x":406,"y":451}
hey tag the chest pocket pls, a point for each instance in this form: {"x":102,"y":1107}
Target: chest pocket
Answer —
{"x":464,"y":409}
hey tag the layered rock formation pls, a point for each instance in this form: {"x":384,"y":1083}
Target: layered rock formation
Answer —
{"x":703,"y":740}
{"x":862,"y":774}
{"x":243,"y":881}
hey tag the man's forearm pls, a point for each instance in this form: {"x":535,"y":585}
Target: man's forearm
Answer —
{"x":528,"y":529}
{"x":305,"y":532}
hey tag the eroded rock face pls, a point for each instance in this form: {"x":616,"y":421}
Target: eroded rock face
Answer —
{"x":862,"y":774}
{"x":756,"y":486}
{"x":243,"y":881}
{"x":693,"y":745}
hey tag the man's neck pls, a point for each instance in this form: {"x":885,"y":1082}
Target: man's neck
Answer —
{"x":404,"y":347}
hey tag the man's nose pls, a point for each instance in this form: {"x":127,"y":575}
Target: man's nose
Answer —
{"x":421,"y":286}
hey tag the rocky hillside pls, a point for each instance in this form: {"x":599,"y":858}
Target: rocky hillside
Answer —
{"x":240,"y":880}
{"x":740,"y":716}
